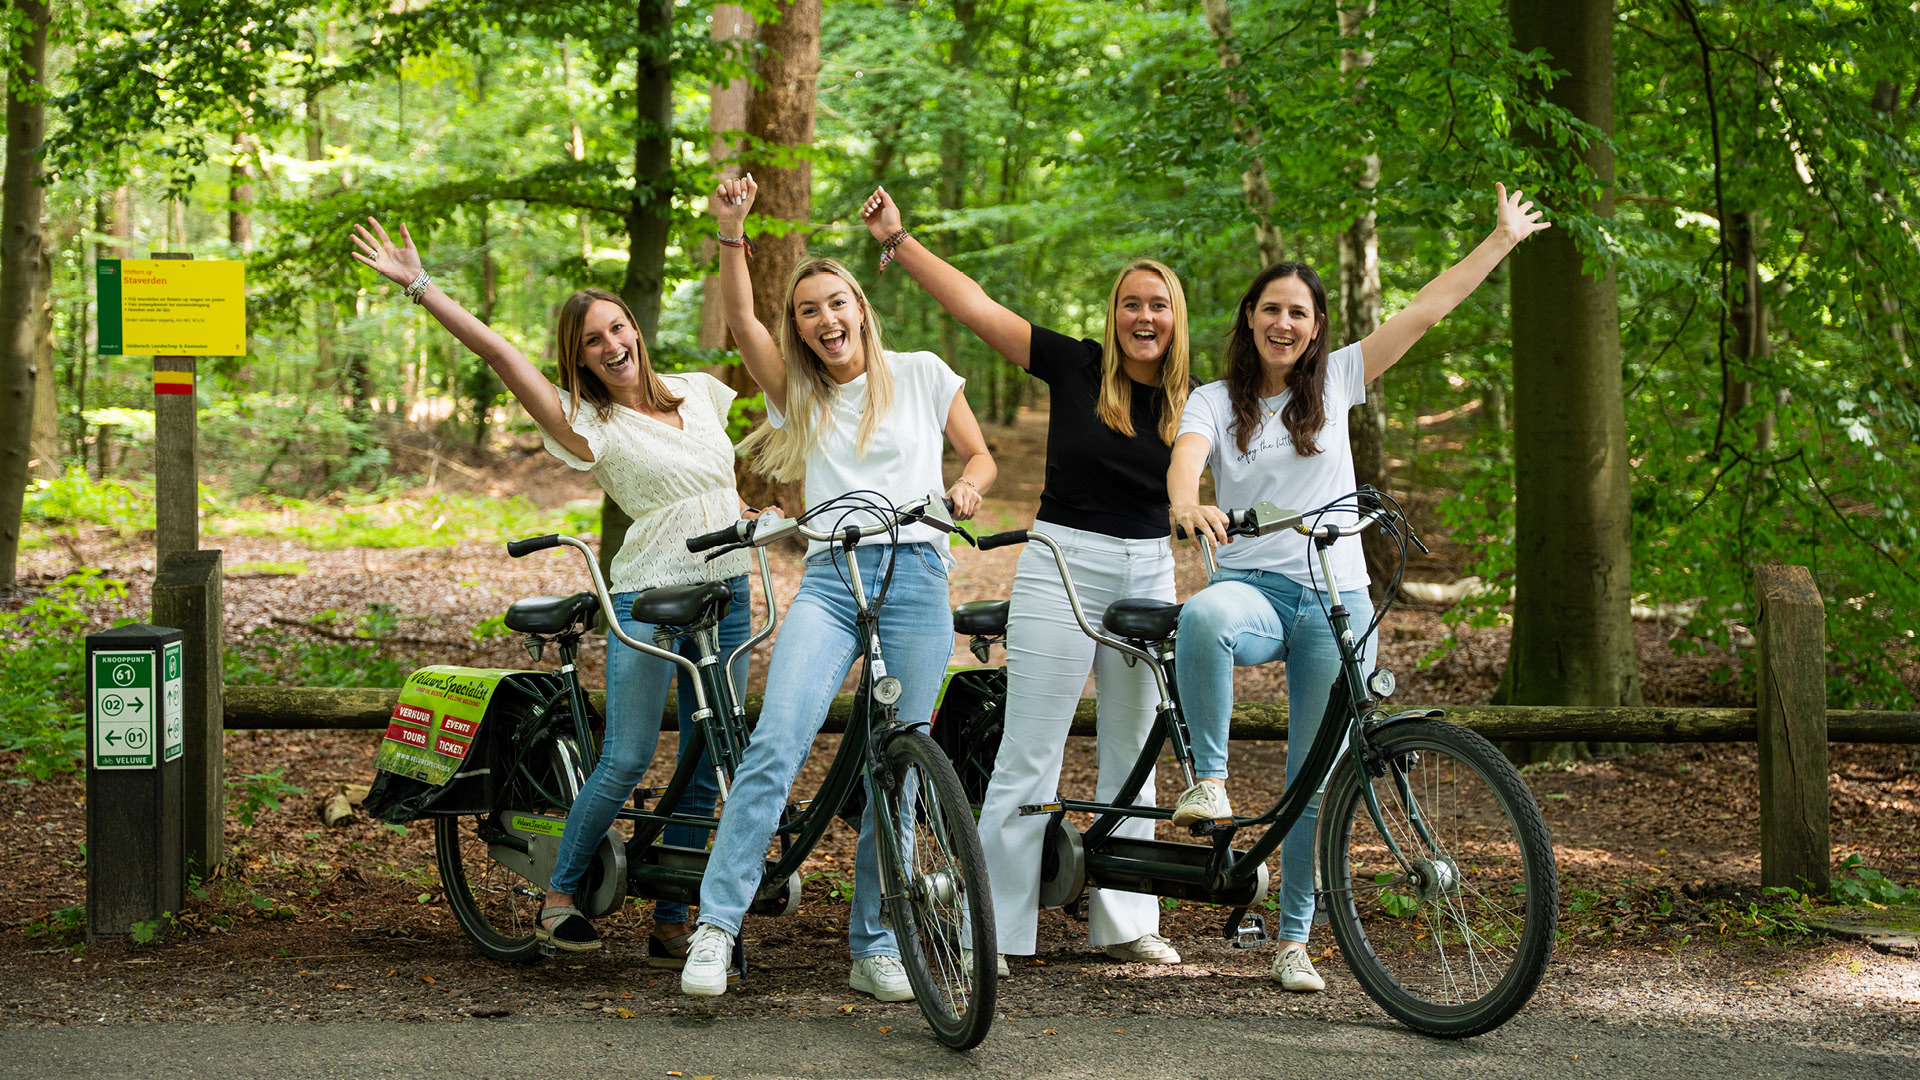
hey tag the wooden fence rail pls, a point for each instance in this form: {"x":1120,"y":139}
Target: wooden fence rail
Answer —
{"x":369,"y":708}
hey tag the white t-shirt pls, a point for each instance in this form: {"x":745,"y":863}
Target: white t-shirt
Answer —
{"x":673,"y":482}
{"x":902,"y":461}
{"x":1271,"y":471}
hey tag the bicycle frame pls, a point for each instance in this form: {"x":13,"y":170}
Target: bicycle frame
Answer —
{"x":1225,"y":875}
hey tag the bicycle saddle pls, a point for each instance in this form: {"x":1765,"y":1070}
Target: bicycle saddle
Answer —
{"x":548,"y":614}
{"x":679,"y":605}
{"x":1140,"y":619}
{"x":981,"y":618}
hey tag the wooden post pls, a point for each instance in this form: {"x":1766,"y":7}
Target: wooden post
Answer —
{"x":187,"y":597}
{"x":176,"y":452}
{"x":1792,"y":700}
{"x":133,"y":778}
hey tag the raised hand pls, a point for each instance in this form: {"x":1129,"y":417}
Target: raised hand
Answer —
{"x":881,"y":214}
{"x":731,"y":201}
{"x":392,"y":261}
{"x":1517,"y":219}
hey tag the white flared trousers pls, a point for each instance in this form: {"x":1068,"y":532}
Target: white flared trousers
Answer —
{"x":1048,"y":660}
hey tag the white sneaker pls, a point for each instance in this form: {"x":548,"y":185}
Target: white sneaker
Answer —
{"x":1000,"y":963}
{"x":1146,"y":949}
{"x":1202,"y":802}
{"x":881,"y":976}
{"x":708,"y":956}
{"x":1294,"y":971}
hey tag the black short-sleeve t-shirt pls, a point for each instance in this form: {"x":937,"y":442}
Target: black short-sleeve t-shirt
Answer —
{"x":1098,"y":479}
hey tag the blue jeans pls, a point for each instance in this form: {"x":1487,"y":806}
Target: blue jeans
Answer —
{"x":636,"y":698}
{"x":1248,"y":617}
{"x":816,"y":647}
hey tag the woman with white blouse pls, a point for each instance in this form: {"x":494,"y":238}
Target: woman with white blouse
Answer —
{"x":658,"y":445}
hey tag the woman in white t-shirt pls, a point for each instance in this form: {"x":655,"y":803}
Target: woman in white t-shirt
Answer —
{"x":1275,"y":430}
{"x":850,"y":417}
{"x":658,"y":445}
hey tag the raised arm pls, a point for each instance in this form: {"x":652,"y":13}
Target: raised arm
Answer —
{"x":1004,"y":332}
{"x":729,"y":205}
{"x":1516,"y":220}
{"x":400,"y":264}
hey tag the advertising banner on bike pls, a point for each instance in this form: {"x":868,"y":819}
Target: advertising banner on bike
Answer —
{"x":434,"y":724}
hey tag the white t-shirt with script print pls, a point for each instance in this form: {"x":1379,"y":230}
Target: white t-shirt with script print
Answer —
{"x":1271,"y":471}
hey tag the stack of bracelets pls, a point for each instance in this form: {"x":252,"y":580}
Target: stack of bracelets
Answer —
{"x":889,"y":245}
{"x":417,"y":288}
{"x":740,"y":241}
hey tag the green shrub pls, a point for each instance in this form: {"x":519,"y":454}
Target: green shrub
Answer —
{"x":43,"y":676}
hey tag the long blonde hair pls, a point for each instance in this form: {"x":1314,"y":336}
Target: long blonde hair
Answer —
{"x":1115,"y":406}
{"x":781,"y":452}
{"x":581,"y":382}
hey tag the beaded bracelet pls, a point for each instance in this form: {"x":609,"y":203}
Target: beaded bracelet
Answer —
{"x":889,"y":246}
{"x":417,"y":288}
{"x":740,"y":241}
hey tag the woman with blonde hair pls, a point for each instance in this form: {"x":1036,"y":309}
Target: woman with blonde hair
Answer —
{"x":1115,"y":409}
{"x":849,"y":417}
{"x":658,"y":445}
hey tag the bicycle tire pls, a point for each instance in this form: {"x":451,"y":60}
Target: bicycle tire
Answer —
{"x":496,"y":907}
{"x":944,"y":905}
{"x":1453,"y":942}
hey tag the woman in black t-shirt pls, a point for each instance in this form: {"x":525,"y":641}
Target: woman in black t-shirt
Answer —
{"x":1114,"y":413}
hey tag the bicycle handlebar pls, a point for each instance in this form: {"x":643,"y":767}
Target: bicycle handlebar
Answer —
{"x":726,"y":534}
{"x":1001,"y":539}
{"x":531,"y":544}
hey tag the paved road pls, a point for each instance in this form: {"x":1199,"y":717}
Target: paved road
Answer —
{"x":846,"y":1049}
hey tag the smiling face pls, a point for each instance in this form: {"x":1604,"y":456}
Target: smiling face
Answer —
{"x":1143,"y":318}
{"x":609,"y":347}
{"x":1284,"y":324}
{"x":828,"y":318}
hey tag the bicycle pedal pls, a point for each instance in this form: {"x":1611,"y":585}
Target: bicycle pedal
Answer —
{"x":1031,"y":809}
{"x":1252,"y":932}
{"x":1213,"y":827}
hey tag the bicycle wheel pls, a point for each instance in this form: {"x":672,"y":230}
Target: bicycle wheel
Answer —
{"x":942,"y":905}
{"x":1453,"y":938}
{"x":497,"y":906}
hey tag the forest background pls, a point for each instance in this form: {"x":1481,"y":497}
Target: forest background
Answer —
{"x":1706,"y":366}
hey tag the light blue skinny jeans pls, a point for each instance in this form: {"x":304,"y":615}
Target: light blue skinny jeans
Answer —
{"x":636,"y":699}
{"x":1248,"y":617}
{"x":816,"y":647}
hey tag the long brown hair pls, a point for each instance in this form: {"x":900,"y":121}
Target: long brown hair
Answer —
{"x":1306,"y":410}
{"x":1115,"y":405}
{"x":579,"y":381}
{"x":781,"y":452}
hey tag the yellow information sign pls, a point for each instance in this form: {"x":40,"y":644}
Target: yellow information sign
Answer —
{"x":172,"y":307}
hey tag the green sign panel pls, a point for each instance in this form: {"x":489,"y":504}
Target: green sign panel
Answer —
{"x":123,"y":710}
{"x":173,"y":711}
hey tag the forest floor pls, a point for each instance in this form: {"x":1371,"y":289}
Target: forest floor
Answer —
{"x":1658,"y":851}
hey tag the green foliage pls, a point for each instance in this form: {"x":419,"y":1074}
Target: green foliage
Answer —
{"x":268,"y":656}
{"x":43,"y":676}
{"x":75,"y":499}
{"x":253,"y":794}
{"x":1857,"y":883}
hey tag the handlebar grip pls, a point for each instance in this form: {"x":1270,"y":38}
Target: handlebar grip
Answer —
{"x":1001,"y":539}
{"x":517,"y":548}
{"x":730,"y":534}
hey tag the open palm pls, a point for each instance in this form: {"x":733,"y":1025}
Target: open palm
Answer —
{"x":397,"y":263}
{"x":1517,"y":217}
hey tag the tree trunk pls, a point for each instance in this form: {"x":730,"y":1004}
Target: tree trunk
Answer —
{"x":1253,"y":181}
{"x":44,"y":455}
{"x":1360,"y":316}
{"x":650,"y":214}
{"x":324,"y":305}
{"x":781,"y":114}
{"x":727,"y":112}
{"x":240,"y":196}
{"x":1572,"y":635}
{"x":22,"y":201}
